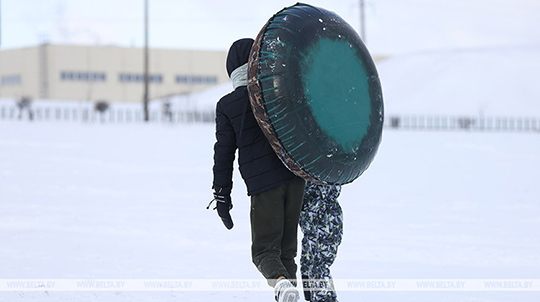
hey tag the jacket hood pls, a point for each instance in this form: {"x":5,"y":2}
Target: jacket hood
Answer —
{"x":238,"y":54}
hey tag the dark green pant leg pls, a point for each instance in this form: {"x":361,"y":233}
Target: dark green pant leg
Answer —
{"x":274,"y":219}
{"x":289,"y":244}
{"x":267,"y":214}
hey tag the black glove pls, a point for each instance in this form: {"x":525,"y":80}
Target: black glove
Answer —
{"x":224,"y":205}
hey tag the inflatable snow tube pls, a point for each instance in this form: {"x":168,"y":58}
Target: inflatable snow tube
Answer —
{"x":316,"y":94}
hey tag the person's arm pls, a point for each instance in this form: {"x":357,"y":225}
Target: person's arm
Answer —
{"x":224,"y":153}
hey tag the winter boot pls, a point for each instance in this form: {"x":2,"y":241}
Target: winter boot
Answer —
{"x":285,"y":291}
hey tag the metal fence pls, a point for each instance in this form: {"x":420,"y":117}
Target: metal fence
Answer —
{"x":392,"y":122}
{"x":463,"y":123}
{"x":112,"y":115}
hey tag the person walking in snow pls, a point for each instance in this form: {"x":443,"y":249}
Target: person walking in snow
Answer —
{"x":321,"y":221}
{"x":276,"y":193}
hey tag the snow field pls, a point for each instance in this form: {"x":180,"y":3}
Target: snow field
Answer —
{"x":128,"y":202}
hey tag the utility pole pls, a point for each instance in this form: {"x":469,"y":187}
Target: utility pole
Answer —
{"x":44,"y":67}
{"x":362,"y":22}
{"x":0,"y":23}
{"x":145,"y":101}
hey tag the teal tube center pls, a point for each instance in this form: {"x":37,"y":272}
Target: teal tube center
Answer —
{"x":336,"y":87}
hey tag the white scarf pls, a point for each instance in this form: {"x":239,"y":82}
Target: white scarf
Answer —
{"x":239,"y":76}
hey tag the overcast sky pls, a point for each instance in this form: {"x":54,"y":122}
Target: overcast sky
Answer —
{"x":393,"y":26}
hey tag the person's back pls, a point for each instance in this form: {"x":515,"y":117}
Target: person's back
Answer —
{"x":276,"y":193}
{"x":236,"y":128}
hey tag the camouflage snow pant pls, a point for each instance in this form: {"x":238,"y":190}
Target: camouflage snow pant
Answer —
{"x":321,"y":221}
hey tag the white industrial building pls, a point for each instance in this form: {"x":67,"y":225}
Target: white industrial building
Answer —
{"x":108,"y":73}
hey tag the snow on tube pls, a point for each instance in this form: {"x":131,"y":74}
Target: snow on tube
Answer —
{"x":316,"y":94}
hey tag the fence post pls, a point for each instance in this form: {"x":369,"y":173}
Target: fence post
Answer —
{"x":394,"y":122}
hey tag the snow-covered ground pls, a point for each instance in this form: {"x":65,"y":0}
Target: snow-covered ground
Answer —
{"x":128,"y":202}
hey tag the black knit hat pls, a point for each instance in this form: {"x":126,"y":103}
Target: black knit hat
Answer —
{"x":238,"y":54}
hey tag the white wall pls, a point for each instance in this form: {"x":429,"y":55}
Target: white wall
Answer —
{"x":111,"y":62}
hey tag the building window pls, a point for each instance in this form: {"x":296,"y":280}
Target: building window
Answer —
{"x":83,"y":76}
{"x":137,"y":78}
{"x":11,"y":80}
{"x":196,"y":80}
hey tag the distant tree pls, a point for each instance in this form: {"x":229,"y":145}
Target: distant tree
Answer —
{"x":167,"y":110}
{"x":465,"y":122}
{"x":101,"y":107}
{"x":25,"y":104}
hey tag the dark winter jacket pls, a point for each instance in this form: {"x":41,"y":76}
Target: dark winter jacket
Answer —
{"x":236,"y":128}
